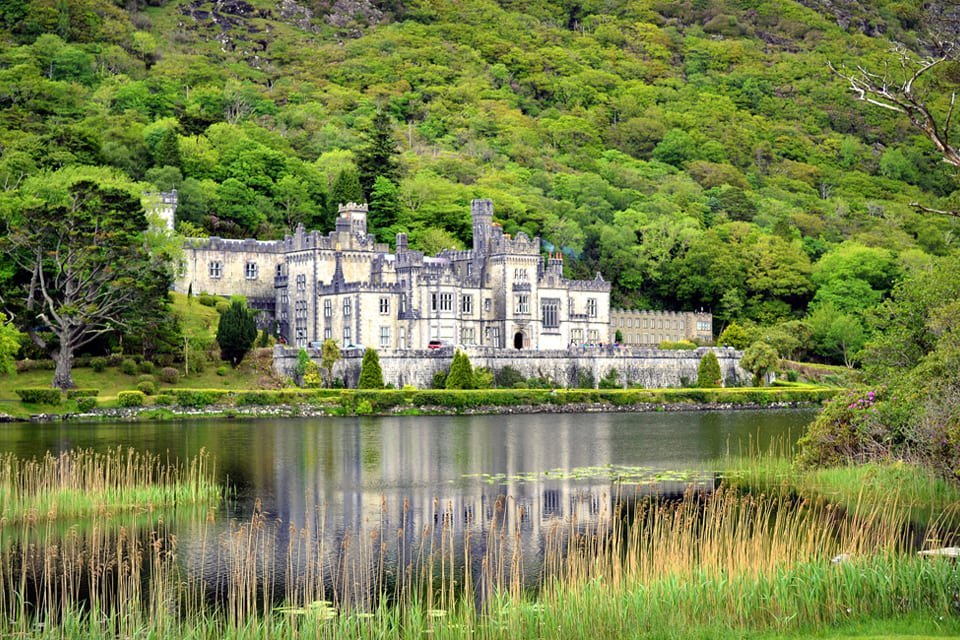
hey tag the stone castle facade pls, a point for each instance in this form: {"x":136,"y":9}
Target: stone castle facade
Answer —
{"x":344,"y":285}
{"x":650,"y":328}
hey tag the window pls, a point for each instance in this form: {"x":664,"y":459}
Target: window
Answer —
{"x":216,"y":269}
{"x":629,"y":323}
{"x":519,"y":274}
{"x":550,"y":310}
{"x":403,"y":303}
{"x":384,"y":337}
{"x":328,"y":309}
{"x":301,"y":336}
{"x":523,"y":303}
{"x":300,"y":309}
{"x":327,"y":333}
{"x":347,"y":308}
{"x":645,"y":324}
{"x":251,"y":271}
{"x":576,"y":335}
{"x":301,"y":282}
{"x":466,"y":305}
{"x":703,"y":326}
{"x":469,"y":268}
{"x":441,"y":302}
{"x":279,"y":270}
{"x":486,"y":305}
{"x":384,"y":306}
{"x":594,"y":336}
{"x":346,"y":335}
{"x":468,"y":335}
{"x":592,"y":307}
{"x":402,"y":342}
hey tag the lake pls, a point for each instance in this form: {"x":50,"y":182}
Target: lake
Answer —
{"x":319,"y":485}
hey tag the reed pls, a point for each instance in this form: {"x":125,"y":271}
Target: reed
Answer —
{"x":707,"y":564}
{"x":76,"y":484}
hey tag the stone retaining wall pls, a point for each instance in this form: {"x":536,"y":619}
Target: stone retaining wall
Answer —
{"x":649,"y":368}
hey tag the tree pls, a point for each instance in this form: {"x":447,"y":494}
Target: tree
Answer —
{"x":81,"y":247}
{"x":709,"y":375}
{"x":900,"y":89}
{"x":759,"y":359}
{"x":461,"y":372}
{"x":346,"y":188}
{"x":384,"y":208}
{"x":236,"y":332}
{"x":329,"y":356}
{"x":377,"y":156}
{"x":371,"y":375}
{"x":9,"y":344}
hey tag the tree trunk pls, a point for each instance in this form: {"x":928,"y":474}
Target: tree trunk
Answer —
{"x":63,"y":376}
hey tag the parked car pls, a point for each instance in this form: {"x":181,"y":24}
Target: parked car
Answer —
{"x":437,"y":344}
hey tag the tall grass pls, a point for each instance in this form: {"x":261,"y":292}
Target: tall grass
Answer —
{"x":701,"y":565}
{"x":80,"y":483}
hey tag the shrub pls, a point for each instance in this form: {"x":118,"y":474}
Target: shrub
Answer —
{"x":371,"y":375}
{"x":146,"y":367}
{"x":611,"y":380}
{"x":708,"y":373}
{"x":128,"y":366}
{"x":114,"y":359}
{"x":678,"y":345}
{"x":98,"y":364}
{"x":461,"y":373}
{"x":169,"y":375}
{"x":507,"y":377}
{"x":440,"y":379}
{"x":82,"y":393}
{"x":130,"y":398}
{"x":222,"y":306}
{"x":163,"y":399}
{"x":86,"y":403}
{"x":39,"y":395}
{"x":207,"y":300}
{"x":198,"y":398}
{"x":222,"y":370}
{"x":147,"y":387}
{"x":146,"y":377}
{"x":23,"y":366}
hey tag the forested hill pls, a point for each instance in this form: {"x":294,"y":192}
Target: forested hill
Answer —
{"x":698,"y":153}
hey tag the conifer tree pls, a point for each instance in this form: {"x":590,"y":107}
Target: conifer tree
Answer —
{"x":236,"y":332}
{"x":378,"y":156}
{"x":461,"y":372}
{"x":709,"y":375}
{"x":371,"y":375}
{"x":384,"y":208}
{"x":345,"y":188}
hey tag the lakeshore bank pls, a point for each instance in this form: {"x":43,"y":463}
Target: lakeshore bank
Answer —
{"x":215,"y":403}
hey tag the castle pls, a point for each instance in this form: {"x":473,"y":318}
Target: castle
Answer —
{"x":344,"y":285}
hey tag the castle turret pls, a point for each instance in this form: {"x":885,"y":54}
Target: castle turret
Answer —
{"x":353,"y":217}
{"x":163,"y":204}
{"x":482,"y":213}
{"x":555,"y":263}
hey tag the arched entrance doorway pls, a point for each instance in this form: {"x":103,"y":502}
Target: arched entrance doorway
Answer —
{"x":518,"y":340}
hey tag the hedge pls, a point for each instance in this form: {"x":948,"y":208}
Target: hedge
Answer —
{"x":86,"y":403}
{"x":41,"y":395}
{"x":130,"y":398}
{"x":82,"y":393}
{"x":199,"y":398}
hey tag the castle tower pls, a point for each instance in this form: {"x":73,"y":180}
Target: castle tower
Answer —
{"x":163,"y":204}
{"x":482,"y":213}
{"x":356,"y":215}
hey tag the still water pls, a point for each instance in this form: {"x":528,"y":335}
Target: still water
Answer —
{"x":352,"y":467}
{"x":331,"y":489}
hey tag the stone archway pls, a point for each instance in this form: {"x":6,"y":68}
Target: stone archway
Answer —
{"x":518,"y":340}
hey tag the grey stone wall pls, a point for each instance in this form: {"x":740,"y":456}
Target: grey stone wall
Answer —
{"x":650,"y":368}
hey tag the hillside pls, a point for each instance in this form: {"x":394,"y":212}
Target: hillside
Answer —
{"x":697,"y":153}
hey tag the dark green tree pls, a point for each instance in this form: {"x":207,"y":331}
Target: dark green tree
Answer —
{"x":378,"y":155}
{"x":384,"y":208}
{"x":371,"y":375}
{"x":236,"y":332}
{"x":709,"y":375}
{"x":167,"y":151}
{"x":461,"y":372}
{"x":346,"y":188}
{"x":81,"y":248}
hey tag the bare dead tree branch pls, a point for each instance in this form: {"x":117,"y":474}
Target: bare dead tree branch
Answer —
{"x":902,"y":96}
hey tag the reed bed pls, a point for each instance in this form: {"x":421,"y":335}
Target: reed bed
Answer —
{"x":706,"y":564}
{"x":76,"y":484}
